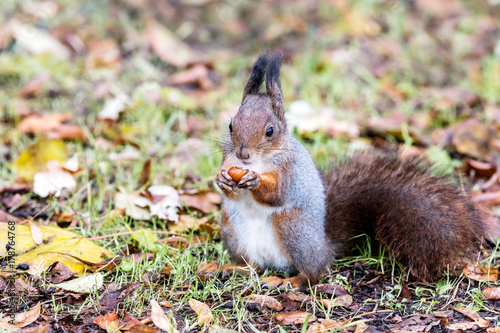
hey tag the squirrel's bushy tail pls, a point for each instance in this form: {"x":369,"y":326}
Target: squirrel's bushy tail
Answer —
{"x":425,"y":221}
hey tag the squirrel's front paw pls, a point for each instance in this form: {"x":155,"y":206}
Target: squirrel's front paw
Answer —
{"x":250,"y":181}
{"x":224,"y":181}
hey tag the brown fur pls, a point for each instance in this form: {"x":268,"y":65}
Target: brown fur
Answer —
{"x":425,"y":221}
{"x":272,"y":189}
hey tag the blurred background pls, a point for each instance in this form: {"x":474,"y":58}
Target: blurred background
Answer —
{"x":123,"y":81}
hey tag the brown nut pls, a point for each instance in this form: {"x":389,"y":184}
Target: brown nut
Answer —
{"x":237,"y":173}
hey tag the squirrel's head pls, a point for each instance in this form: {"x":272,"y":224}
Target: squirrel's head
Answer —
{"x":259,"y":128}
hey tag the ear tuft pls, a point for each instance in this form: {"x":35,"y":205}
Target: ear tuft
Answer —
{"x":273,"y":85}
{"x":257,"y":76}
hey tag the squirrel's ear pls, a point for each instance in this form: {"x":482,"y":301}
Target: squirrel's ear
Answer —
{"x":257,"y":76}
{"x":273,"y":85}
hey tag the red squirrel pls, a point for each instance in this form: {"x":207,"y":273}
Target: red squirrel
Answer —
{"x":284,"y":215}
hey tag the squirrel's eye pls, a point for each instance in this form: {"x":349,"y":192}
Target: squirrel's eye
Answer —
{"x":269,"y":132}
{"x":230,"y":127}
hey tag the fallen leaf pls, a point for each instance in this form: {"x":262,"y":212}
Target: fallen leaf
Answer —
{"x":112,"y":108}
{"x":165,"y":202}
{"x":37,"y":41}
{"x":160,"y":319}
{"x":325,"y":326}
{"x":42,"y":123}
{"x":197,"y":75}
{"x":53,"y":181}
{"x":472,"y":138}
{"x":36,"y":233}
{"x":478,"y":273}
{"x":298,"y":297}
{"x":187,"y":222}
{"x":492,"y":294}
{"x":126,"y":201}
{"x":344,"y":300}
{"x":167,"y":46}
{"x":24,"y":318}
{"x":83,"y":285}
{"x":266,"y":300}
{"x":45,"y":255}
{"x":145,"y":173}
{"x":15,"y":188}
{"x":103,"y":53}
{"x":294,"y":318}
{"x":34,"y":159}
{"x":6,"y":217}
{"x":59,"y":272}
{"x":204,"y":201}
{"x":108,"y":322}
{"x":471,"y":314}
{"x":202,"y":310}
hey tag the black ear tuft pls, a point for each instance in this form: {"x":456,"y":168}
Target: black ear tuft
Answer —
{"x":273,"y":85}
{"x":257,"y":76}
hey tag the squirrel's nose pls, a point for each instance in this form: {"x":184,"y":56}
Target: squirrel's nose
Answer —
{"x":243,"y":153}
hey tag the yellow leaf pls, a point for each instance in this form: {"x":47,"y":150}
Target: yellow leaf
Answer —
{"x":36,"y":156}
{"x":23,"y":236}
{"x":43,"y":256}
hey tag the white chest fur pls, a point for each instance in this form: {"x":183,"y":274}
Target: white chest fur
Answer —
{"x":255,"y":231}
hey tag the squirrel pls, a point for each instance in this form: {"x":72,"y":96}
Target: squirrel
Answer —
{"x":282,"y":214}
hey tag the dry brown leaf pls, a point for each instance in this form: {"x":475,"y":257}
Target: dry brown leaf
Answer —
{"x":294,"y":318}
{"x":361,"y":327}
{"x":472,"y":315}
{"x":42,"y":123}
{"x":344,"y":300}
{"x":67,"y":132}
{"x":160,"y":319}
{"x":15,"y":188}
{"x":24,"y":318}
{"x":187,"y":222}
{"x":36,"y":233}
{"x":492,"y":294}
{"x":6,"y":217}
{"x":478,"y":273}
{"x":472,"y":138}
{"x":202,"y":310}
{"x":167,"y":46}
{"x":103,"y":53}
{"x":325,"y":326}
{"x":197,"y":75}
{"x":493,"y":330}
{"x":298,"y":297}
{"x":108,"y":322}
{"x":266,"y":300}
{"x":204,"y":201}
